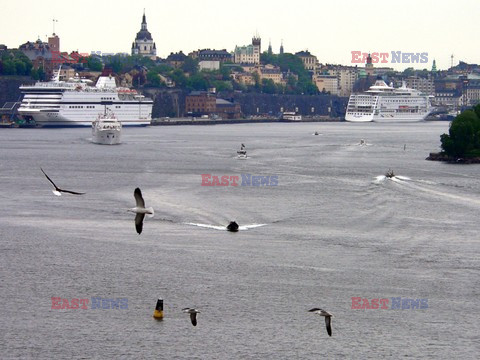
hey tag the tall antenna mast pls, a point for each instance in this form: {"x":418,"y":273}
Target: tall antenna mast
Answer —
{"x":451,"y":61}
{"x":54,"y":21}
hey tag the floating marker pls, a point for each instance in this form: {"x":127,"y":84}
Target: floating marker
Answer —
{"x":158,"y":312}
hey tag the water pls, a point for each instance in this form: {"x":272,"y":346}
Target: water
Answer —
{"x":332,"y":233}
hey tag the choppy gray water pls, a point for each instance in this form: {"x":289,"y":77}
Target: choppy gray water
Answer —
{"x":332,"y":233}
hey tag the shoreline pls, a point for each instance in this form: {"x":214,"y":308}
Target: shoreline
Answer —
{"x":187,"y":121}
{"x":452,"y":160}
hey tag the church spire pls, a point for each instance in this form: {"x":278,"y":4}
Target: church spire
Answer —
{"x":144,"y":21}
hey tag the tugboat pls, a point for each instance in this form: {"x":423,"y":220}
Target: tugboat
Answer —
{"x":106,"y":129}
{"x":233,"y":226}
{"x":242,"y":153}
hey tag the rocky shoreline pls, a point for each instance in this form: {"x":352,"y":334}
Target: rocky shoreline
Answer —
{"x":453,"y":160}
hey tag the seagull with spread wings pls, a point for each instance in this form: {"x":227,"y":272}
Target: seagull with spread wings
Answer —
{"x":193,"y":314}
{"x":57,"y":191}
{"x":140,"y":210}
{"x":328,"y":318}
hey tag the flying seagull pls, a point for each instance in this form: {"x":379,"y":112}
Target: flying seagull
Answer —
{"x":328,"y":318}
{"x":140,"y":210}
{"x":59,"y":191}
{"x":193,"y":314}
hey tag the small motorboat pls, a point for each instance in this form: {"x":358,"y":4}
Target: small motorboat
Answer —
{"x":242,"y":153}
{"x":390,"y":174}
{"x":233,"y":226}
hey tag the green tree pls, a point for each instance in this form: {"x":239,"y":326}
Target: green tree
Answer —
{"x":115,"y":63}
{"x":225,"y":71}
{"x":222,"y":85}
{"x":198,"y":82}
{"x":94,"y":64}
{"x":163,"y":69}
{"x":179,"y":78}
{"x":190,"y":65}
{"x":8,"y":67}
{"x":154,"y":79}
{"x":408,"y":72}
{"x":463,"y":137}
{"x":268,"y":86}
{"x":20,"y":68}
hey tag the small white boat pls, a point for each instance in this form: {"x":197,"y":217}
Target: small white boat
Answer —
{"x":106,"y":129}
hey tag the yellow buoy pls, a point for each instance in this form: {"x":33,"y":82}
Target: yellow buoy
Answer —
{"x":158,"y":312}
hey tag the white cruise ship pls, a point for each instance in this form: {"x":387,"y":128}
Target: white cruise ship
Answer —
{"x":383,"y":103}
{"x":76,"y":103}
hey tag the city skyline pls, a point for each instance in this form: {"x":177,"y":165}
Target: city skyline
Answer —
{"x":329,"y":31}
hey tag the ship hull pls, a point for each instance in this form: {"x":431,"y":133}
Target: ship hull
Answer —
{"x":359,"y":118}
{"x":106,"y":137}
{"x":46,"y":118}
{"x":399,"y":118}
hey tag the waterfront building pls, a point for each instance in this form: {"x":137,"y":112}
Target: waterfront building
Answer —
{"x":249,"y":54}
{"x":200,"y":103}
{"x":326,"y":83}
{"x":247,"y":79}
{"x":209,"y":65}
{"x":211,"y":55}
{"x":310,"y":61}
{"x":144,"y":44}
{"x":346,"y":76}
{"x":227,"y":109}
{"x":176,"y":59}
{"x":66,"y":72}
{"x":271,"y":72}
{"x":425,"y":85}
{"x":40,"y":55}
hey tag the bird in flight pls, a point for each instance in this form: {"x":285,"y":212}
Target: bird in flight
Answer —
{"x":193,"y":314}
{"x":328,"y":318}
{"x":140,"y":210}
{"x":57,"y":191}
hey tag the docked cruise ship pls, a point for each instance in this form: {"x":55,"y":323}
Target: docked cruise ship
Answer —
{"x":77,"y":103}
{"x":383,"y":103}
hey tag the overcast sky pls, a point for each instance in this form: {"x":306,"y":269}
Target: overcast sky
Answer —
{"x":331,"y":30}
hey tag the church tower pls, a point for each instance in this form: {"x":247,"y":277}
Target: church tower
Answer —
{"x":143,"y":44}
{"x":281,"y":48}
{"x":257,"y":50}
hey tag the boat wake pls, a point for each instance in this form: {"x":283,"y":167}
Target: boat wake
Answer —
{"x":396,"y":178}
{"x":224,"y":228}
{"x":363,"y":143}
{"x":424,"y":186}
